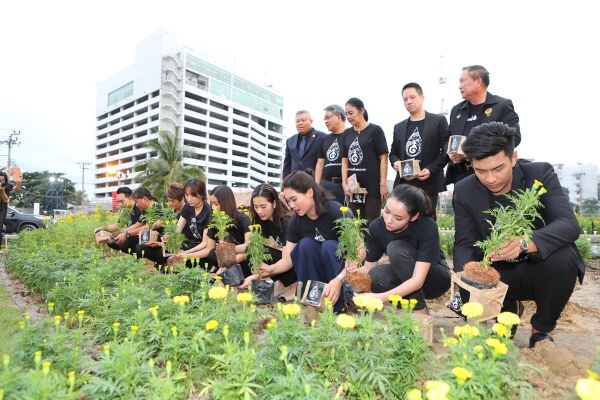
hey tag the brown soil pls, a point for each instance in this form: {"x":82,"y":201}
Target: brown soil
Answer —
{"x":558,"y":364}
{"x":225,"y":254}
{"x":477,"y":272}
{"x":360,"y":282}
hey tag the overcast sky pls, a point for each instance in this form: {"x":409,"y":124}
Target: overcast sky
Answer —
{"x":542,"y":55}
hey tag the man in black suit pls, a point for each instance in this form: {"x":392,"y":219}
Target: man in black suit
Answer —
{"x":545,"y":268}
{"x":479,"y":107}
{"x":422,"y":136}
{"x":302,"y":150}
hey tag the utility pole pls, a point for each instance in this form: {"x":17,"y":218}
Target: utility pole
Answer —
{"x":83,"y":168}
{"x":12,"y":140}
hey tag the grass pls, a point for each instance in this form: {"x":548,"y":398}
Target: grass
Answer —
{"x":9,"y":320}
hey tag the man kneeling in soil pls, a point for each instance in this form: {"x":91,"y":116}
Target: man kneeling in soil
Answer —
{"x":544,"y":269}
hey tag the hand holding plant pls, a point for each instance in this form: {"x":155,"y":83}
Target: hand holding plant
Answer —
{"x":256,"y":251}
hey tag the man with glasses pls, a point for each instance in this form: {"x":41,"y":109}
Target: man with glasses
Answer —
{"x":328,"y":172}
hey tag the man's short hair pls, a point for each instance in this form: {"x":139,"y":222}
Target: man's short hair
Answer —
{"x":125,"y":190}
{"x":302,"y":112}
{"x":415,"y":86}
{"x":488,"y":140}
{"x":337,"y":110}
{"x":479,"y":72}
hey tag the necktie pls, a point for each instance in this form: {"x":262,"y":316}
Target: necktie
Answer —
{"x":302,"y":147}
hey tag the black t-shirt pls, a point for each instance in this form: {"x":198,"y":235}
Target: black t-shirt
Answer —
{"x":195,"y":223}
{"x":269,"y":230}
{"x":320,"y":229}
{"x":363,"y":151}
{"x":331,"y":147}
{"x":414,"y":141}
{"x":136,"y":216}
{"x":236,"y":233}
{"x":475,"y":117}
{"x":422,"y":234}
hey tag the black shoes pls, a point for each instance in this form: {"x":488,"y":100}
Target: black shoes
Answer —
{"x":538,"y":337}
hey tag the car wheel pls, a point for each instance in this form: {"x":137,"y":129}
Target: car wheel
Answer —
{"x":27,"y":227}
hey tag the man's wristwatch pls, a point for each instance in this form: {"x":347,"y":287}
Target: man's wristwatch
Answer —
{"x":340,"y":277}
{"x":524,"y":246}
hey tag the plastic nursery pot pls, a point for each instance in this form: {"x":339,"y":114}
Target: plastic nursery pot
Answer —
{"x":233,"y":276}
{"x":263,"y":290}
{"x":225,"y":252}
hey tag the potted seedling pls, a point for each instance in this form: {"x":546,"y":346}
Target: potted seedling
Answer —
{"x":106,"y":231}
{"x":257,"y":254}
{"x":151,"y":217}
{"x":225,"y":251}
{"x":351,"y":233}
{"x":515,"y":220}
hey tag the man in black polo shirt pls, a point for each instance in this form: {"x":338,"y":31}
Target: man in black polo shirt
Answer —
{"x":479,"y":107}
{"x":328,"y":172}
{"x":301,"y":150}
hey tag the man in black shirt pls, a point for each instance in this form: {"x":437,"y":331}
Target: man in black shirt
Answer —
{"x":328,"y":172}
{"x":479,"y":107}
{"x":127,"y":240}
{"x":301,"y":150}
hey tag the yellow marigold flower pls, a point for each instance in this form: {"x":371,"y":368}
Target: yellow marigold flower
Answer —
{"x":174,"y":330}
{"x":134,"y":329}
{"x":181,"y":299}
{"x":588,"y":389}
{"x":116,"y":325}
{"x":244,"y":297}
{"x":472,"y":309}
{"x":404,"y":303}
{"x":395,"y":299}
{"x":211,"y":325}
{"x":344,"y":209}
{"x":369,"y":303}
{"x":437,"y":390}
{"x":217,"y":293}
{"x":461,"y":374}
{"x":284,"y":352}
{"x":346,"y":321}
{"x":271,"y":324}
{"x":290,"y":309}
{"x":80,"y":313}
{"x":154,"y":311}
{"x":218,"y":278}
{"x":501,"y":330}
{"x":497,"y":346}
{"x":106,"y":350}
{"x":508,"y":318}
{"x":67,"y":315}
{"x":414,"y":394}
{"x":450,"y":341}
{"x":46,"y":367}
{"x":57,"y":319}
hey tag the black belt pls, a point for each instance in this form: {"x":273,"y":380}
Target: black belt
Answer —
{"x":334,"y":179}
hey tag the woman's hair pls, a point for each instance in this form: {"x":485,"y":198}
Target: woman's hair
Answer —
{"x":226,"y":200}
{"x":175,"y":191}
{"x":301,"y":182}
{"x":142,"y":192}
{"x":5,"y":175}
{"x":196,"y":187}
{"x":359,"y":105}
{"x":268,"y":192}
{"x":414,"y":199}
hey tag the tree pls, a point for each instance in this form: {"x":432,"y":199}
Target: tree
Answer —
{"x":157,"y":173}
{"x":38,"y":188}
{"x":590,"y":207}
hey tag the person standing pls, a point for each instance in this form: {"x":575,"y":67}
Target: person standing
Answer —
{"x":302,"y":149}
{"x":543,"y":269}
{"x":6,"y":188}
{"x":422,"y":136}
{"x":328,"y":172}
{"x":479,"y":107}
{"x":365,"y":153}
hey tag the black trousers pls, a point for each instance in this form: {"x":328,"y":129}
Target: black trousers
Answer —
{"x":548,"y":282}
{"x":369,"y":210}
{"x":401,"y":268}
{"x":3,"y":210}
{"x":128,"y":246}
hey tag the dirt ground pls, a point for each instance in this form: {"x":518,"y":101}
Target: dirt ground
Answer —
{"x":558,"y":366}
{"x":576,"y":336}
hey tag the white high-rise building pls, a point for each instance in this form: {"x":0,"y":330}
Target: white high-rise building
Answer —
{"x":581,"y":180}
{"x":234,"y":127}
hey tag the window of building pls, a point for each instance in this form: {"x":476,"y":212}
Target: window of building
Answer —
{"x":121,"y":93}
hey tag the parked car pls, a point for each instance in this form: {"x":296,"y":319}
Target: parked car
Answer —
{"x":17,"y":221}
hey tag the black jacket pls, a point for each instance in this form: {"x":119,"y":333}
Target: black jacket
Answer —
{"x":433,"y":154}
{"x":293,"y":161}
{"x":558,"y":227}
{"x":495,"y":109}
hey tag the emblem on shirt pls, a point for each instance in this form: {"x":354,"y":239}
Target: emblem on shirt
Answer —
{"x":355,"y":153}
{"x":333,"y":152}
{"x":413,"y":145}
{"x":318,"y":237}
{"x":488,"y":111}
{"x":472,"y":118}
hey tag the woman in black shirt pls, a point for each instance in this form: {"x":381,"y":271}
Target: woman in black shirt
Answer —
{"x":409,"y":236}
{"x":311,"y":239}
{"x":194,"y":217}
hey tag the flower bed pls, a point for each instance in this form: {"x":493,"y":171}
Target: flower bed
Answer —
{"x":115,"y":331}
